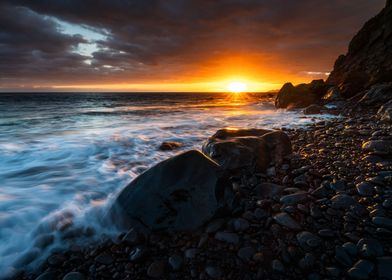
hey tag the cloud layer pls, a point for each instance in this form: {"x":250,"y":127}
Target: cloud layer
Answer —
{"x":174,"y":41}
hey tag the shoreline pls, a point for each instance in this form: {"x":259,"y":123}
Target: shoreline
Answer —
{"x":323,"y":226}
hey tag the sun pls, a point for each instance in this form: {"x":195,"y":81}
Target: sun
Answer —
{"x":236,"y":87}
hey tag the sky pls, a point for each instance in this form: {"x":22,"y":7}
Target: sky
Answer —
{"x":173,"y":45}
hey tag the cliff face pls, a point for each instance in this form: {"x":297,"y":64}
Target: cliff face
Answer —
{"x":369,"y":57}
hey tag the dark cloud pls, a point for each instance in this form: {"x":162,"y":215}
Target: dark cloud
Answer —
{"x":168,"y":39}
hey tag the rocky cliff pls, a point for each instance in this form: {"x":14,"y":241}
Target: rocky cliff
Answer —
{"x":369,"y":57}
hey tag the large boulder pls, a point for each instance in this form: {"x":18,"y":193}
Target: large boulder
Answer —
{"x":254,"y":149}
{"x":377,"y":95}
{"x":180,"y":193}
{"x":369,"y":57}
{"x":300,"y":96}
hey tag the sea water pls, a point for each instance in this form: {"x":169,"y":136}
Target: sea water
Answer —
{"x":65,"y":156}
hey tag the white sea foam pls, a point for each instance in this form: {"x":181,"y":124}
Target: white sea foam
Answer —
{"x":64,"y":158}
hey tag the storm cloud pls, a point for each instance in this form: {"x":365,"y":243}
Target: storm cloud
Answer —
{"x":172,"y":40}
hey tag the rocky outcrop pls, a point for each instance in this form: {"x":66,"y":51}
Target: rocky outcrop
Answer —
{"x":255,"y":149}
{"x":377,"y":95}
{"x":181,"y":193}
{"x":369,"y":57}
{"x":302,"y":95}
{"x":169,"y":145}
{"x":385,"y":112}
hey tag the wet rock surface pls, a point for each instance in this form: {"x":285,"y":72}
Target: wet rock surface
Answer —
{"x":325,"y":213}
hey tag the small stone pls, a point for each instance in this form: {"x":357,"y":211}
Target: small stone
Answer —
{"x":365,"y":189}
{"x":361,"y":269}
{"x":382,"y":222}
{"x":350,"y":248}
{"x":156,"y":269}
{"x":132,"y":237}
{"x":74,"y":276}
{"x":240,"y":225}
{"x":227,"y":237}
{"x":246,"y":253}
{"x":104,"y":258}
{"x":307,"y":261}
{"x":308,"y":240}
{"x":49,"y":275}
{"x":293,"y":199}
{"x":56,"y":260}
{"x":191,"y":253}
{"x":215,"y":225}
{"x":286,"y":220}
{"x":384,"y":267}
{"x":175,"y":262}
{"x":370,"y":247}
{"x":137,"y":254}
{"x":213,"y":271}
{"x":277,"y":266}
{"x":342,"y":257}
{"x":342,"y":201}
{"x":326,"y":233}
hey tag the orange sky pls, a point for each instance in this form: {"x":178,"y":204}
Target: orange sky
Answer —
{"x":173,"y":45}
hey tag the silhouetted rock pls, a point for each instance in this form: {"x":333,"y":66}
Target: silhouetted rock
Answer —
{"x":333,"y":94}
{"x":255,"y":149}
{"x":313,"y":109}
{"x":169,"y":146}
{"x":302,"y":95}
{"x":369,"y":57}
{"x":181,"y":193}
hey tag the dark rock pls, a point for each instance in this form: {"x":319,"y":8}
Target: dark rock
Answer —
{"x":313,"y":109}
{"x":74,"y":276}
{"x":175,"y":262}
{"x":191,"y":253}
{"x":382,"y":222}
{"x":247,"y":148}
{"x":246,"y":253}
{"x":293,"y":199}
{"x":227,"y":237}
{"x":342,"y":257}
{"x":384,"y":267}
{"x":214,"y":272}
{"x":214,"y":225}
{"x":137,"y":254}
{"x":169,"y":146}
{"x":307,"y":262}
{"x":49,"y":275}
{"x":350,"y":248}
{"x":286,"y":220}
{"x":181,"y":193}
{"x":56,"y":260}
{"x":332,"y":94}
{"x":240,"y":224}
{"x":378,"y":147}
{"x":44,"y":241}
{"x":361,"y":269}
{"x":104,"y":258}
{"x":342,"y":201}
{"x":300,"y":96}
{"x":268,"y":190}
{"x":365,"y":189}
{"x":377,"y":95}
{"x":368,"y":60}
{"x":308,"y":240}
{"x":385,"y":112}
{"x":277,"y":266}
{"x":132,"y":237}
{"x":370,"y":247}
{"x":156,"y":269}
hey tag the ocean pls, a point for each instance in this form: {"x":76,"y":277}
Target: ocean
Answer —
{"x":64,"y":156}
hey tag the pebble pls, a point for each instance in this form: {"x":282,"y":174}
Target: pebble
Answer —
{"x":308,"y":240}
{"x":342,"y":201}
{"x":384,"y":267}
{"x":277,"y":266}
{"x":227,"y":237}
{"x":74,"y":276}
{"x":286,"y":220}
{"x":191,"y":253}
{"x":246,"y":253}
{"x":104,"y":258}
{"x":365,"y":189}
{"x":293,"y":199}
{"x":214,"y":272}
{"x":240,"y":225}
{"x":156,"y":269}
{"x":361,"y":269}
{"x":342,"y":257}
{"x":49,"y":275}
{"x":382,"y":222}
{"x":175,"y":262}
